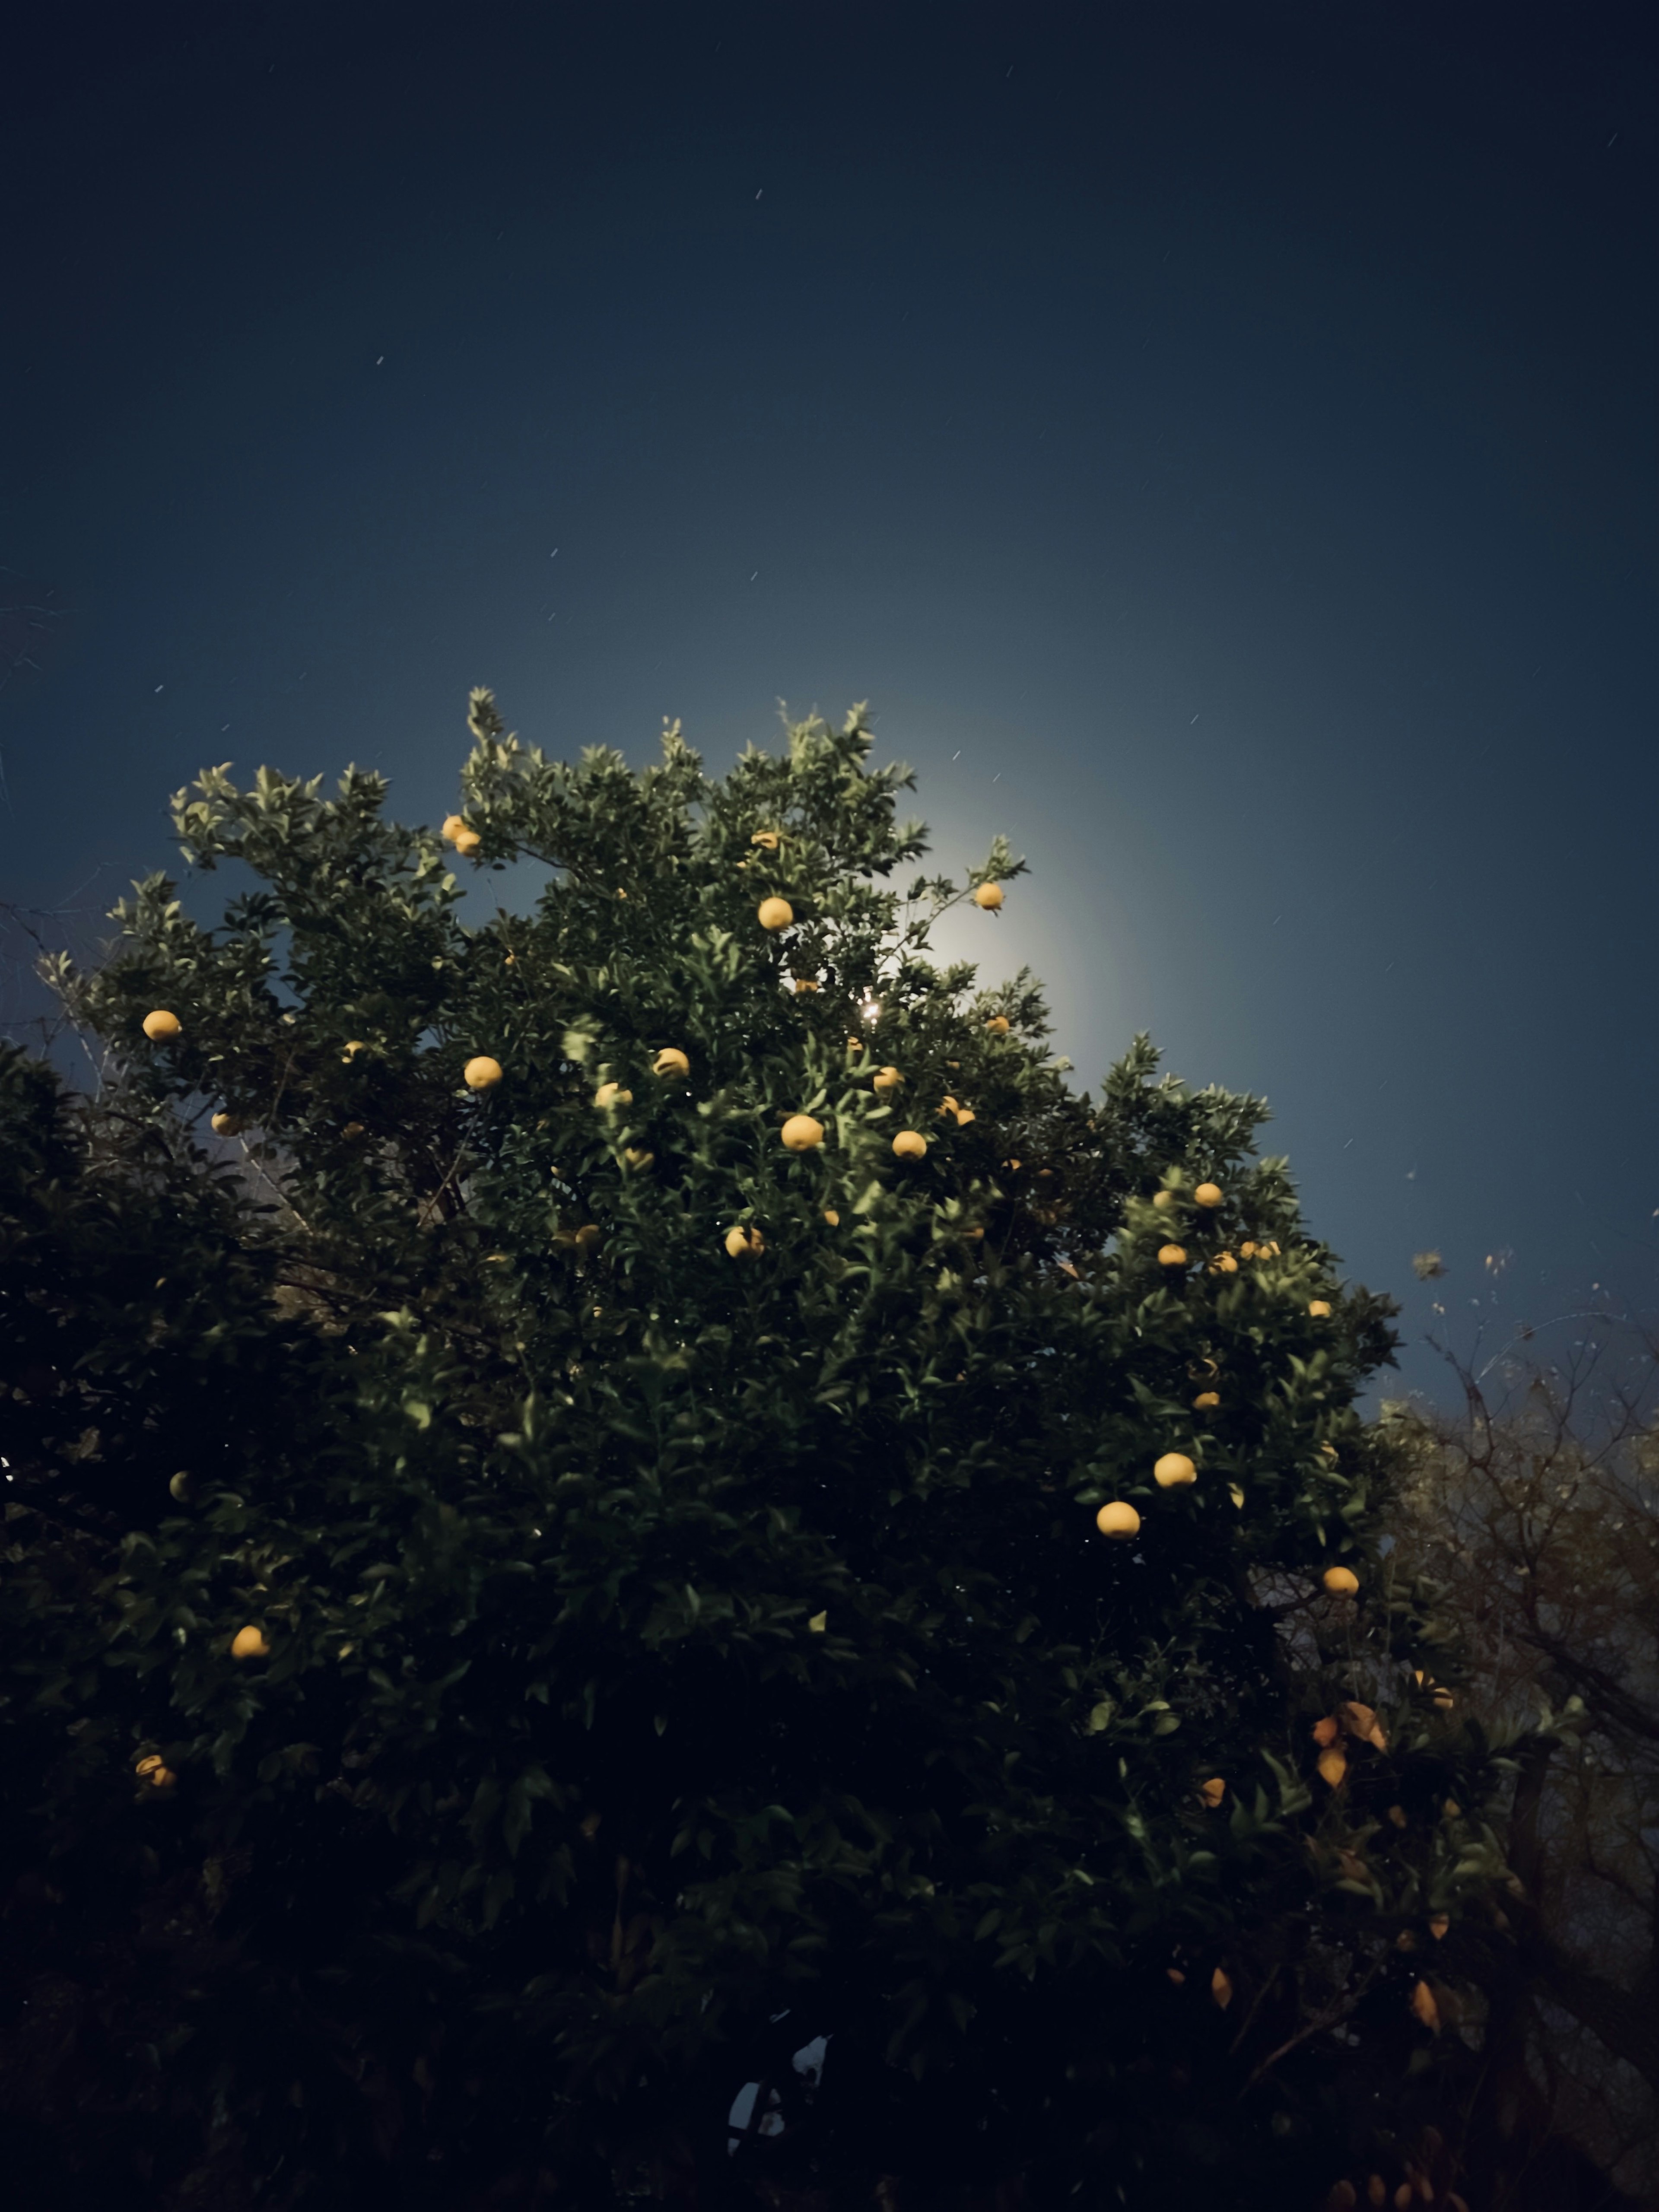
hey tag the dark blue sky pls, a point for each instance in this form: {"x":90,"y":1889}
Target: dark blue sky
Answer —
{"x":1219,"y":441}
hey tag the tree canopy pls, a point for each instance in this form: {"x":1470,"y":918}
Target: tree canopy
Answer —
{"x":559,"y":1565}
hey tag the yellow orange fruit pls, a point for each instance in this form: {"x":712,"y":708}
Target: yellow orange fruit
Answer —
{"x":670,"y":1060}
{"x":613,"y":1094}
{"x":352,"y":1050}
{"x":775,"y":914}
{"x":948,"y":1106}
{"x":229,"y":1124}
{"x":1340,"y":1582}
{"x":1439,"y":1922}
{"x":911,"y":1145}
{"x":179,"y":1485}
{"x":1333,"y":1766}
{"x":804,"y":984}
{"x":150,"y":1764}
{"x":636,"y":1156}
{"x":988,"y":897}
{"x":453,"y":825}
{"x":1164,"y":1200}
{"x":163,"y":1777}
{"x":1320,"y":1308}
{"x":1426,"y":2009}
{"x":819,"y":1623}
{"x":1213,"y":1791}
{"x":1223,"y":1264}
{"x":1118,"y":1519}
{"x":1221,"y":1989}
{"x":1207,"y":1402}
{"x":1171,"y":1255}
{"x":801,"y":1134}
{"x":467,"y":841}
{"x":744,"y":1243}
{"x":1174,"y":1470}
{"x":160,"y":1026}
{"x":352,"y":1129}
{"x":1325,"y":1732}
{"x":832,"y":1217}
{"x":586,"y":1237}
{"x":1208,"y":1193}
{"x":766,"y":839}
{"x":998,"y":1025}
{"x":964,"y":1116}
{"x":885,"y":1079}
{"x":1236,"y":1495}
{"x":482,"y":1072}
{"x":249,"y":1644}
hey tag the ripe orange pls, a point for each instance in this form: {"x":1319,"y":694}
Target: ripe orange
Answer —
{"x":775,"y":914}
{"x":998,"y":1025}
{"x":160,"y":1026}
{"x":964,"y":1116}
{"x":1207,"y":1402}
{"x":1247,"y":1250}
{"x":1425,"y":2008}
{"x":744,"y":1243}
{"x":832,"y":1217}
{"x":1173,"y":1470}
{"x":636,"y":1156}
{"x":801,"y":1134}
{"x":352,"y":1129}
{"x":481,"y":1074}
{"x":1209,"y":1194}
{"x":1213,"y":1791}
{"x":948,"y":1107}
{"x":1439,"y":1922}
{"x":229,"y":1124}
{"x":249,"y":1644}
{"x":467,"y":841}
{"x":1171,"y":1255}
{"x":352,"y":1050}
{"x":819,"y":1623}
{"x":1164,"y":1200}
{"x":1320,"y":1308}
{"x":453,"y":825}
{"x":911,"y":1145}
{"x":1221,"y":1989}
{"x":988,"y":897}
{"x":767,"y":839}
{"x":1118,"y":1519}
{"x":1223,"y":1264}
{"x":150,"y":1764}
{"x":1333,"y":1766}
{"x":1340,"y":1582}
{"x":179,"y":1485}
{"x":670,"y":1060}
{"x":586,"y":1237}
{"x":613,"y":1094}
{"x":885,"y":1079}
{"x":803,"y":983}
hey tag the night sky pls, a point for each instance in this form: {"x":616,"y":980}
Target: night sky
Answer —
{"x":1217,"y":440}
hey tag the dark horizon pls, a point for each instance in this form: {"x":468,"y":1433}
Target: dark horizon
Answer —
{"x":1218,"y":443}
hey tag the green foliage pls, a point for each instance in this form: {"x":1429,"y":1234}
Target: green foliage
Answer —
{"x":661,"y":1641}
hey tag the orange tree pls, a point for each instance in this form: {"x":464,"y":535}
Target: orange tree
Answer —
{"x":606,"y":1498}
